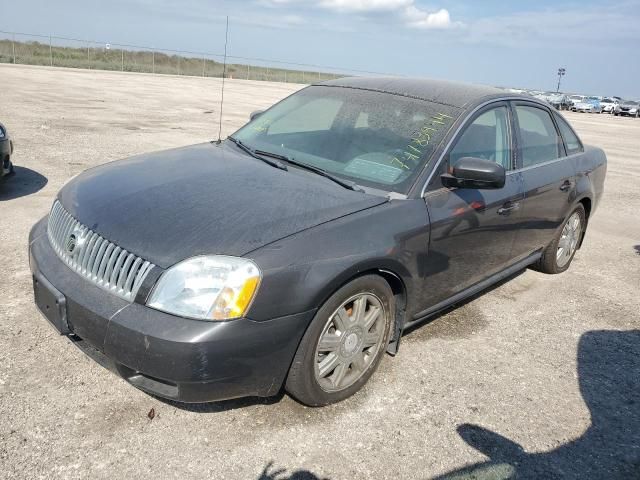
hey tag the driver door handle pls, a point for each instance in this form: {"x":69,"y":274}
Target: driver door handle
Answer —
{"x":566,"y":185}
{"x":508,"y":207}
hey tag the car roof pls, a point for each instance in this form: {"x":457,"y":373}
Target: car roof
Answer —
{"x":455,"y":94}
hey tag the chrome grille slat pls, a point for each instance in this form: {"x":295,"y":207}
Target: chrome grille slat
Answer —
{"x":124,"y":271}
{"x":88,"y":250}
{"x":97,"y":259}
{"x":113,"y":279}
{"x":132,"y":273}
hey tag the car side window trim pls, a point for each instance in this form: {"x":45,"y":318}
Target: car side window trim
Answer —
{"x":526,"y":103}
{"x":557,"y":119}
{"x":461,"y":126}
{"x":470,"y":118}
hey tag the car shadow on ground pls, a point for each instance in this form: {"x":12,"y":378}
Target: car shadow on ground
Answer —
{"x":461,"y":303}
{"x":21,"y":183}
{"x":227,"y":405}
{"x":272,"y":473}
{"x":224,"y":405}
{"x":609,"y":378}
{"x":637,"y":249}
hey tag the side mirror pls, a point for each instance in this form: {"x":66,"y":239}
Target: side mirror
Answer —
{"x":255,"y":114}
{"x":471,"y":172}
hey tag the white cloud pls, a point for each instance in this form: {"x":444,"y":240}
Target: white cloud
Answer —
{"x":366,"y":5}
{"x":420,"y":19}
{"x":404,"y":11}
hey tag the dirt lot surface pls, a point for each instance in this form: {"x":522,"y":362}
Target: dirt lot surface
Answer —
{"x":540,"y":372}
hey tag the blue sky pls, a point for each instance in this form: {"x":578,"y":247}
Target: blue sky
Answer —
{"x":510,"y":43}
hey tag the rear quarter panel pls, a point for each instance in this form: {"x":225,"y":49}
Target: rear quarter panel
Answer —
{"x":591,"y":170}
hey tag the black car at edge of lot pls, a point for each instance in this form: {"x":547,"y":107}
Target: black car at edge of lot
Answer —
{"x":296,"y":252}
{"x":6,"y":150}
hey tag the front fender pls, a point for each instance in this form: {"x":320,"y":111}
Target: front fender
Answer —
{"x":300,"y":272}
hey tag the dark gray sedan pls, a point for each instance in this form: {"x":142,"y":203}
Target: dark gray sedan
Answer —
{"x":295,"y":253}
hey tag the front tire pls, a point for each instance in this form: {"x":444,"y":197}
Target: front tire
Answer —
{"x":559,"y":254}
{"x":344,"y":343}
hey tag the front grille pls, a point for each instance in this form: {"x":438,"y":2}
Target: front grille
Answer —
{"x":95,"y":258}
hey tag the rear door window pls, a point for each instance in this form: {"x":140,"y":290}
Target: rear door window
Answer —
{"x":571,"y":141}
{"x":539,"y":137}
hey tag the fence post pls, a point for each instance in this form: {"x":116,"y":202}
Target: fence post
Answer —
{"x":303,"y":76}
{"x":318,"y":75}
{"x":50,"y":52}
{"x":267,"y":74}
{"x":285,"y":76}
{"x":248,"y":71}
{"x":178,"y":64}
{"x":88,"y":51}
{"x":13,"y":47}
{"x":203,"y":60}
{"x":122,"y":64}
{"x":153,"y":61}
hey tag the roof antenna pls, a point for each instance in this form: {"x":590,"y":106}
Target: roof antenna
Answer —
{"x":224,"y":74}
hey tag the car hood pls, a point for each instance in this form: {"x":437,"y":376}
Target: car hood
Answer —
{"x":203,"y":199}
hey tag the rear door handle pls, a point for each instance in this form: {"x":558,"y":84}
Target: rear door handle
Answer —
{"x":508,"y":207}
{"x":566,"y":185}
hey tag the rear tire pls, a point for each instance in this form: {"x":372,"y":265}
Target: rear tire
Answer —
{"x":559,"y":254}
{"x":344,"y":343}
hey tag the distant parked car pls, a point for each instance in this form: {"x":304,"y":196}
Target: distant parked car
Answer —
{"x":576,"y":99}
{"x":6,"y":150}
{"x":627,"y":108}
{"x":608,"y":104}
{"x":560,"y":101}
{"x":588,"y":105}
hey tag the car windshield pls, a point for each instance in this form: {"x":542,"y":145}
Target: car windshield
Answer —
{"x":607,"y":100}
{"x":374,"y":139}
{"x":576,"y":97}
{"x":630,"y":102}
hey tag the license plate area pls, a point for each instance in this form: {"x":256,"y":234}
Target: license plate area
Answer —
{"x":51,"y":303}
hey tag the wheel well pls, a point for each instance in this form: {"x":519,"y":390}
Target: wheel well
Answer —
{"x":586,"y":203}
{"x":399,"y":291}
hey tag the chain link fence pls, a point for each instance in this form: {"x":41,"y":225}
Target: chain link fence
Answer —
{"x":32,"y":49}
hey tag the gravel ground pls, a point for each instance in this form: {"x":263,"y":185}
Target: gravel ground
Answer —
{"x":540,"y":372}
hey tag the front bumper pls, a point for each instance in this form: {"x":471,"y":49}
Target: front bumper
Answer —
{"x":172,"y":357}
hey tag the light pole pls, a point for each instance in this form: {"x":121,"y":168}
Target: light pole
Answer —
{"x":561,"y":73}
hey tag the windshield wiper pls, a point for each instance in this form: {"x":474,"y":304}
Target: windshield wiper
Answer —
{"x":256,"y":154}
{"x":344,"y":183}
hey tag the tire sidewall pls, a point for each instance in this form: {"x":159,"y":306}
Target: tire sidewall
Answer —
{"x":581,"y":213}
{"x":313,"y":394}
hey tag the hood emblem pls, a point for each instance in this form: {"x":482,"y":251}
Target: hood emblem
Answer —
{"x":74,"y":243}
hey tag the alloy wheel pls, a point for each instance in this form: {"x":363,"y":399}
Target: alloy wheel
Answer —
{"x":569,"y":240}
{"x":349,"y":342}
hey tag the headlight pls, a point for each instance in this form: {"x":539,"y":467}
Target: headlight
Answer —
{"x":212,"y":287}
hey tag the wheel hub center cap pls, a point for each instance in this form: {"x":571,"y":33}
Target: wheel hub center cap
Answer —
{"x":351,"y":342}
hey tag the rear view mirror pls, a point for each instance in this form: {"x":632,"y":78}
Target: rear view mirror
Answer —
{"x":471,"y":172}
{"x":255,"y":114}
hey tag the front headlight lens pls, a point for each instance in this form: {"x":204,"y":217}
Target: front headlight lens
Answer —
{"x":212,"y":287}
